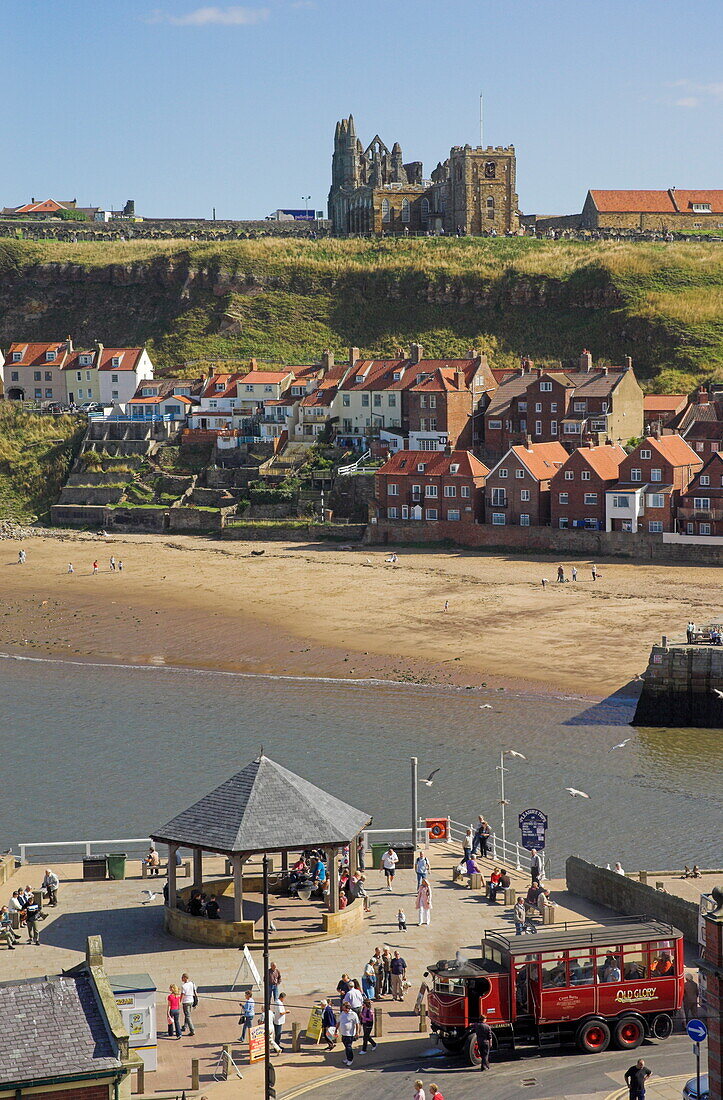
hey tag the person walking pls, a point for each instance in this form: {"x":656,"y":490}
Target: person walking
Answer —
{"x":421,"y":867}
{"x":32,"y":911}
{"x":424,"y":903}
{"x":348,"y":1029}
{"x":366,"y":1018}
{"x":280,"y":1012}
{"x":248,"y":1011}
{"x":50,"y":885}
{"x":690,"y":996}
{"x":483,"y":1031}
{"x":401,"y":920}
{"x":419,"y":1093}
{"x":189,"y":1000}
{"x":354,"y":996}
{"x":434,"y":1092}
{"x":369,"y":980}
{"x":636,"y":1078}
{"x":519,"y":916}
{"x":535,"y":866}
{"x":112,"y":564}
{"x":398,"y":971}
{"x":21,"y":557}
{"x":174,"y":1011}
{"x":446,"y":605}
{"x":95,"y":567}
{"x":594,"y":572}
{"x":328,"y":1024}
{"x":271,"y":1032}
{"x":274,"y":981}
{"x":70,"y":567}
{"x":390,"y":859}
{"x":120,"y":566}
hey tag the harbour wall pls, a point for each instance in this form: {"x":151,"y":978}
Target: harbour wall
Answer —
{"x":679,"y":687}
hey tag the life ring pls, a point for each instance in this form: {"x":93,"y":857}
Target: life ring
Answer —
{"x":437,"y":828}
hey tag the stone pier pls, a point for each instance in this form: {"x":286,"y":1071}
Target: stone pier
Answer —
{"x":679,"y":687}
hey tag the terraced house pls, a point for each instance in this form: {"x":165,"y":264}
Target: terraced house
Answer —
{"x":518,"y":487}
{"x":577,"y":490}
{"x":56,"y":371}
{"x":34,"y":371}
{"x":652,"y":478}
{"x":700,"y":508}
{"x":435,"y":487}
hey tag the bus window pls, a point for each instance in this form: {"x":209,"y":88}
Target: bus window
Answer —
{"x":553,"y":971}
{"x":608,"y":964}
{"x":662,"y":962}
{"x":581,"y":970}
{"x":525,"y":973}
{"x":449,"y":985}
{"x":635,"y":962}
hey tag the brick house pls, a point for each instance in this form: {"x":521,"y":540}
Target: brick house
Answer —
{"x":578,"y":405}
{"x":661,"y":409}
{"x":577,"y":491}
{"x":445,"y":407}
{"x":700,"y":507}
{"x":33,"y":371}
{"x":652,"y":477}
{"x":431,"y":486}
{"x":518,"y":487}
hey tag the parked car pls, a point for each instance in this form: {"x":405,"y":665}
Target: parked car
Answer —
{"x":690,"y":1091}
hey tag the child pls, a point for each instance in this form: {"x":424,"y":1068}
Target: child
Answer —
{"x":401,"y":921}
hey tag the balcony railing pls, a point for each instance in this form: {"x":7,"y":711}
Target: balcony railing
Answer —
{"x":704,"y":514}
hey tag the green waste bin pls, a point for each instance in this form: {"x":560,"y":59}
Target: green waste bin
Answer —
{"x":378,"y":851}
{"x":117,"y":865}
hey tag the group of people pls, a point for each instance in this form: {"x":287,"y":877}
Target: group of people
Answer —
{"x":562,"y":579}
{"x":24,"y":910}
{"x":200,"y":905}
{"x":183,"y":998}
{"x":277,"y":1014}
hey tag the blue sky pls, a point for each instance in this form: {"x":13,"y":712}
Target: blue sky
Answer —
{"x":185,"y":105}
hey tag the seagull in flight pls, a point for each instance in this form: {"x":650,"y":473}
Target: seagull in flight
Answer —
{"x":149,"y":895}
{"x":621,"y":744}
{"x":430,"y":778}
{"x":575,"y":793}
{"x":519,"y":755}
{"x":718,"y":692}
{"x":485,"y":706}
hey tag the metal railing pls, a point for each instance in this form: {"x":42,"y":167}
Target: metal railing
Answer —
{"x":503,"y":852}
{"x":75,"y":851}
{"x":353,"y":467}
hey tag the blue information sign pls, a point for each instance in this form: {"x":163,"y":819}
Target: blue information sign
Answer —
{"x":533,"y":824}
{"x":697,"y":1031}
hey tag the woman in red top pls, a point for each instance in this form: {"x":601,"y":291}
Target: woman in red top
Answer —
{"x":174,"y":1011}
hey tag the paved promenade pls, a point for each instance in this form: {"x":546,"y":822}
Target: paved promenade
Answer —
{"x":134,"y":941}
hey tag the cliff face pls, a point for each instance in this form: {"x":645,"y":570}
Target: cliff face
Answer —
{"x":679,"y":688}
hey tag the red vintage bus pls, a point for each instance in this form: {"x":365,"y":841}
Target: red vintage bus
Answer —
{"x":582,"y":983}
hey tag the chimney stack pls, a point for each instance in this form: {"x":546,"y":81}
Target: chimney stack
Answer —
{"x":69,"y":342}
{"x":628,"y":362}
{"x":416,"y":353}
{"x":586,"y":360}
{"x":460,"y":380}
{"x":528,"y":442}
{"x":472,"y":353}
{"x":353,"y":356}
{"x":701,"y":397}
{"x":252,"y":364}
{"x":327,"y":359}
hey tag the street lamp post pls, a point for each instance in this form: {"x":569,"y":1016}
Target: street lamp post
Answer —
{"x":306,"y":206}
{"x":503,"y":800}
{"x":415,"y":811}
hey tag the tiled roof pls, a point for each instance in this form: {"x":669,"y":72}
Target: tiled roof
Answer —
{"x":593,"y":384}
{"x":128,"y":358}
{"x":34,"y":354}
{"x":379,"y":375}
{"x":685,"y":200}
{"x":436,"y":464}
{"x":663,"y":402}
{"x":227,"y":380}
{"x":672,"y":448}
{"x":541,"y":459}
{"x":46,"y":206}
{"x":705,"y":429}
{"x":604,"y":460}
{"x":319,"y":398}
{"x":256,"y":376}
{"x":72,"y":362}
{"x":714,"y":469}
{"x":264,"y":808}
{"x":633,"y":202}
{"x":445,"y":377}
{"x":52,"y":1027}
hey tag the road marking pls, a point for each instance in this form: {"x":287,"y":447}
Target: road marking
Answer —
{"x":303,"y":1089}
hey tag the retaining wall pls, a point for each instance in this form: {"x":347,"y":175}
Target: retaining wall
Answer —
{"x":630,"y":898}
{"x":679,"y":687}
{"x":313,"y":532}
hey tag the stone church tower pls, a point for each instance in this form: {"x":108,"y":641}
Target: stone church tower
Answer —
{"x":374,"y":191}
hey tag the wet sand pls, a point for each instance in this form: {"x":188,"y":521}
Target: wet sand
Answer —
{"x":316,"y":610}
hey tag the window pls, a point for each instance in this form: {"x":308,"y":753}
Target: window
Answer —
{"x":585,"y":475}
{"x":502,"y":472}
{"x":621,"y":502}
{"x":428,"y":445}
{"x":422,"y":423}
{"x":386,"y":210}
{"x":14,"y":376}
{"x":431,"y":490}
{"x":705,"y":528}
{"x":114,"y":396}
{"x":406,"y":212}
{"x":268,"y":389}
{"x":392,"y":513}
{"x":432,"y":401}
{"x":494,"y":425}
{"x":392,"y":400}
{"x":17,"y":356}
{"x":655,"y":526}
{"x":212,"y":404}
{"x":464,"y":491}
{"x":590,"y":498}
{"x":636,"y":475}
{"x":553,"y":427}
{"x":346,"y":400}
{"x":563,"y":498}
{"x":416,"y":491}
{"x":545,"y":387}
{"x":450,"y":490}
{"x":656,"y":475}
{"x":519,"y":474}
{"x":690,"y":528}
{"x":79,"y":376}
{"x":525,"y":494}
{"x":704,"y":479}
{"x":579,"y":406}
{"x":453,"y":513}
{"x":498,"y":497}
{"x":422,"y":401}
{"x":524,"y":520}
{"x":50,"y":356}
{"x":421,"y":467}
{"x":430,"y":513}
{"x":147,"y":391}
{"x":377,"y":400}
{"x":454,"y":468}
{"x":553,"y":971}
{"x":569,"y":475}
{"x":49,"y":392}
{"x":365,"y":400}
{"x":114,"y":377}
{"x":39,"y":394}
{"x":393,"y":490}
{"x":572,"y":427}
{"x":553,"y":407}
{"x":538,"y":407}
{"x":115,"y":361}
{"x":563,"y":522}
{"x":490,"y":208}
{"x":85,"y":360}
{"x":424,"y":208}
{"x":538,"y":427}
{"x":646,"y":454}
{"x":405,"y":511}
{"x":701,"y":208}
{"x":701,"y":504}
{"x":498,"y":519}
{"x":700,"y":446}
{"x":37,"y":375}
{"x":656,"y":500}
{"x":48,"y":376}
{"x":523,"y":425}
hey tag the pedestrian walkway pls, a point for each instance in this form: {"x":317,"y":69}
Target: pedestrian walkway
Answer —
{"x":657,"y":1088}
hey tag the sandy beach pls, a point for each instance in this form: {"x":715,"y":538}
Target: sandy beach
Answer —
{"x":314,"y":609}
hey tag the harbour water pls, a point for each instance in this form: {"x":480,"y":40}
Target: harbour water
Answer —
{"x":91,"y":751}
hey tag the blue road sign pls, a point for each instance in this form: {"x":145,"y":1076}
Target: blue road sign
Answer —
{"x":533,"y":824}
{"x":697,"y":1031}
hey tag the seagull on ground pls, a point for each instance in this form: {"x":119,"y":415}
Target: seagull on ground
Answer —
{"x":575,"y":793}
{"x":621,"y":744}
{"x":149,"y":895}
{"x":430,"y":778}
{"x":485,"y":706}
{"x":718,"y":692}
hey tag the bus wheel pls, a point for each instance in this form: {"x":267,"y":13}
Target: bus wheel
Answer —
{"x":453,"y":1046}
{"x":662,"y":1026}
{"x":473,"y":1055}
{"x":594,"y":1037}
{"x":629,"y":1033}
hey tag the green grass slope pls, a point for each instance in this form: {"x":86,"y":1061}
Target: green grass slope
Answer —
{"x":285,"y":300}
{"x":36,"y":453}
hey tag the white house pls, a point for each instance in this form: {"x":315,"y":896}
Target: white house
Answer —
{"x":120,"y":371}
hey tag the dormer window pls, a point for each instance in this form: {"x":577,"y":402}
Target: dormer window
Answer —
{"x":50,"y":356}
{"x":420,"y":467}
{"x":219,"y":386}
{"x":360,"y":378}
{"x":454,"y":468}
{"x":701,"y":208}
{"x":147,"y":391}
{"x":85,"y":360}
{"x":397,"y":376}
{"x":115,"y":361}
{"x":17,"y":356}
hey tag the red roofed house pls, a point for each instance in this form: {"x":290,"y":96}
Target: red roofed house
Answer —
{"x":120,"y":372}
{"x":672,"y":210}
{"x":700,"y":508}
{"x":518,"y":487}
{"x":431,"y":486}
{"x":660,"y":409}
{"x":652,"y":477}
{"x":175,"y":398}
{"x":577,"y":490}
{"x":446,"y":403}
{"x":33,"y":371}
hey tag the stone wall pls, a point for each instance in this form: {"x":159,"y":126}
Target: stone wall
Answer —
{"x":313,"y":532}
{"x":7,"y":867}
{"x":351,"y":495}
{"x":630,"y":898}
{"x":90,"y":494}
{"x":197,"y":519}
{"x":679,"y":687}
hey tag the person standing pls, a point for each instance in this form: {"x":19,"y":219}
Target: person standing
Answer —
{"x":483,"y":1031}
{"x":424,"y":903}
{"x":520,"y":916}
{"x":343,"y":988}
{"x":248,"y":1011}
{"x":594,"y":572}
{"x":355,"y":997}
{"x":95,"y":567}
{"x":390,"y":859}
{"x":366,"y":1018}
{"x":280,"y":1012}
{"x":467,"y":844}
{"x":435,"y":1093}
{"x":70,"y":567}
{"x":690,"y":997}
{"x":360,"y":854}
{"x":446,"y":605}
{"x":21,"y":557}
{"x":421,"y":867}
{"x":348,"y":1028}
{"x":32,"y":910}
{"x":535,"y":866}
{"x":274,"y":981}
{"x":398,"y":971}
{"x":369,"y":980}
{"x":574,"y":572}
{"x":636,"y":1078}
{"x":50,"y":884}
{"x":189,"y":1000}
{"x":328,"y":1024}
{"x":120,"y":566}
{"x":419,"y":1093}
{"x":174,"y":1011}
{"x":477,"y":842}
{"x":387,"y":969}
{"x":690,"y":632}
{"x":112,"y":564}
{"x":271,"y":1032}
